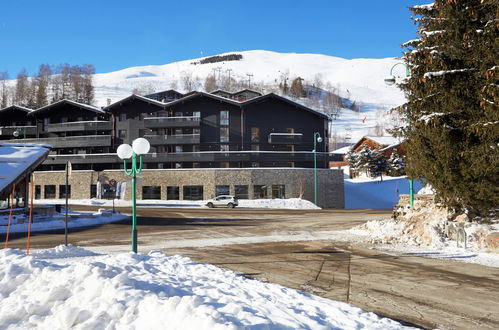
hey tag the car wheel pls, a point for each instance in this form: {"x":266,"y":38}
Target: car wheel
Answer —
{"x":210,"y":205}
{"x":230,"y":206}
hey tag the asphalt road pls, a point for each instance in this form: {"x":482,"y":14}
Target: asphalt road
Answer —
{"x":421,"y":291}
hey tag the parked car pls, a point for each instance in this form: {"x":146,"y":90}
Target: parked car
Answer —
{"x":223,"y":201}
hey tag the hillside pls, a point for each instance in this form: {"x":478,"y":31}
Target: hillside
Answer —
{"x":359,"y":80}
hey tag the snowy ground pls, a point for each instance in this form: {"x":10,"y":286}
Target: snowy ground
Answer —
{"x":69,"y":287}
{"x":290,"y":203}
{"x":19,"y":224}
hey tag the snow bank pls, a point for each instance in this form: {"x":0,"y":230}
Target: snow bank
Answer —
{"x":290,"y":203}
{"x":75,"y":220}
{"x":154,"y":291}
{"x":369,"y":193}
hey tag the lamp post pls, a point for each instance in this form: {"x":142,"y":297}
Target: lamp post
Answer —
{"x":317,"y":138}
{"x":139,"y":147}
{"x":391,"y":80}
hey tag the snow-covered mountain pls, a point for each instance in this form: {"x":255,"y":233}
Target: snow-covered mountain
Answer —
{"x":360,"y":80}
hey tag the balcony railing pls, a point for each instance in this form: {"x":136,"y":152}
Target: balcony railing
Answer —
{"x":173,"y":139}
{"x":172,"y":122}
{"x":8,"y":131}
{"x":72,"y":141}
{"x":285,"y":138}
{"x":96,"y":125}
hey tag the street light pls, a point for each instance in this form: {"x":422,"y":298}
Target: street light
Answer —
{"x":317,"y":138}
{"x":139,"y":147}
{"x":391,"y":80}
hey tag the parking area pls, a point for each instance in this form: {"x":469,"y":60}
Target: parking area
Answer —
{"x":300,"y":249}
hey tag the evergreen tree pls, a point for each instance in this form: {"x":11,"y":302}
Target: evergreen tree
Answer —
{"x":396,"y":164}
{"x":453,"y":136}
{"x":4,"y":91}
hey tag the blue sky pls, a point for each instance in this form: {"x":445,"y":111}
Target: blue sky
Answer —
{"x":114,"y":34}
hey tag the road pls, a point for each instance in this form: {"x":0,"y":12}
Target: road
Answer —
{"x":298,"y":249}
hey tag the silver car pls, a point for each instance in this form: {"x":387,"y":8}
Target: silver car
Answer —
{"x":223,"y":201}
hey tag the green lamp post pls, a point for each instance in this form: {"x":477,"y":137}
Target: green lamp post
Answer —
{"x":391,"y":80}
{"x":317,"y":138}
{"x":139,"y":147}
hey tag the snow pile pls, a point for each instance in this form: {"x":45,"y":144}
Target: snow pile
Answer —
{"x":290,"y":203}
{"x":136,"y":291}
{"x":75,"y":220}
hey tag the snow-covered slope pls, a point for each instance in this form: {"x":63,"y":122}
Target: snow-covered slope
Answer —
{"x":359,"y":80}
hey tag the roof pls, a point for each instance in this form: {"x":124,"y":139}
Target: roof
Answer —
{"x":342,"y":151}
{"x":275,"y":96}
{"x":16,"y":160}
{"x":194,"y":95}
{"x":135,"y":97}
{"x":384,"y":141}
{"x":70,"y":102}
{"x":17,"y":107}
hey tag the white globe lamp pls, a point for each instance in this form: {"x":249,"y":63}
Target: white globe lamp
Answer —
{"x":141,"y":146}
{"x":124,"y":151}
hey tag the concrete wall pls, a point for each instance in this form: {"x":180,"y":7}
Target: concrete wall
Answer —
{"x":296,"y":180}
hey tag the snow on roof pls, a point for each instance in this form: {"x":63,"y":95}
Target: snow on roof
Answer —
{"x":342,"y":151}
{"x":135,"y":96}
{"x":19,"y":107}
{"x":16,"y":159}
{"x":384,"y":140}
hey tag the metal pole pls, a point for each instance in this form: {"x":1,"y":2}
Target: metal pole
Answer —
{"x":315,"y":169}
{"x":411,"y":181}
{"x":134,"y":203}
{"x":66,"y":221}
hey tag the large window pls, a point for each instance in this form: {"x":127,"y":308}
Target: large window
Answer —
{"x":122,"y":133}
{"x":151,"y":192}
{"x":224,"y":134}
{"x":278,"y":191}
{"x":259,"y":191}
{"x":224,"y":147}
{"x":122,"y":117}
{"x":38,"y":191}
{"x":62,"y":191}
{"x":222,"y":190}
{"x":49,"y":191}
{"x":172,"y":193}
{"x":224,"y":117}
{"x":193,"y":193}
{"x":255,"y":134}
{"x":93,"y":191}
{"x":241,"y":191}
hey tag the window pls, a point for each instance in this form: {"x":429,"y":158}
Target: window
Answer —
{"x":290,"y":130}
{"x":255,"y":147}
{"x":179,"y":131}
{"x":255,"y":134}
{"x":108,"y":192}
{"x":196,"y":165}
{"x":62,"y":191}
{"x":151,"y":192}
{"x":179,"y":149}
{"x":122,"y":117}
{"x":196,"y":148}
{"x":259,"y":191}
{"x":196,"y":113}
{"x":46,"y":122}
{"x":64,"y":119}
{"x":193,"y":193}
{"x":224,"y":117}
{"x":255,"y":164}
{"x":241,"y":192}
{"x":122,"y":133}
{"x":224,"y":134}
{"x":79,"y":118}
{"x":224,"y":164}
{"x":222,"y":190}
{"x":93,"y":191}
{"x":179,"y":114}
{"x":38,"y":191}
{"x":278,"y":191}
{"x":224,"y":147}
{"x":49,"y":192}
{"x":178,"y":165}
{"x":196,"y":131}
{"x":173,"y":193}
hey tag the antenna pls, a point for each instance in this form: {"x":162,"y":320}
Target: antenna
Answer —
{"x":249,"y":78}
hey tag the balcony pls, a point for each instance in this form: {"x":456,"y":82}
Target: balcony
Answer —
{"x":8,"y":131}
{"x":285,"y":138}
{"x":72,"y":141}
{"x":173,"y":139}
{"x":172,"y":122}
{"x":98,"y":125}
{"x":104,"y":158}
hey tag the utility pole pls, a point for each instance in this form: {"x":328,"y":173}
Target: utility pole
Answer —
{"x":249,"y":78}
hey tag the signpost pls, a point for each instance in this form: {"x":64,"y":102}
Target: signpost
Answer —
{"x":112,"y":183}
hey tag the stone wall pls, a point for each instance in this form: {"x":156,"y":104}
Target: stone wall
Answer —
{"x":297,"y":182}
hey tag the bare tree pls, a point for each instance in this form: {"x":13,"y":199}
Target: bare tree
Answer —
{"x":88,"y":70}
{"x":22,"y":93}
{"x":210,"y":83}
{"x":187,"y":81}
{"x":174,"y":85}
{"x":41,"y":84}
{"x":4,"y":90}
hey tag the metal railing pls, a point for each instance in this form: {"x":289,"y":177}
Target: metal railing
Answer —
{"x":79,"y":126}
{"x":166,"y":122}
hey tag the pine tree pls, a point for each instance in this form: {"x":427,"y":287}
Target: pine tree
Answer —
{"x":453,"y":134}
{"x":4,"y":91}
